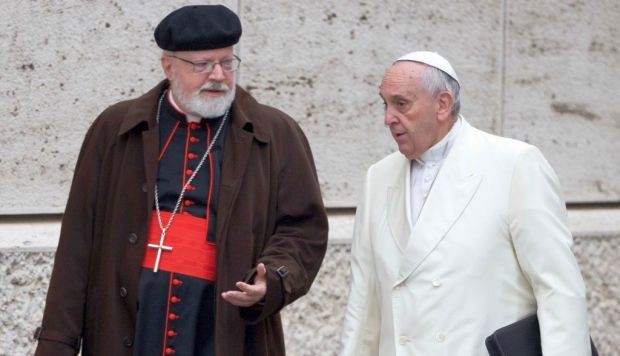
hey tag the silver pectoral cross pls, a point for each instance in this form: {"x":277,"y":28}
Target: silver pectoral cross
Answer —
{"x":159,"y":248}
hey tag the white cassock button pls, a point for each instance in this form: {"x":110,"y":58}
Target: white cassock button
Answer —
{"x":440,"y":337}
{"x":436,"y":283}
{"x":403,"y":340}
{"x":427,"y":179}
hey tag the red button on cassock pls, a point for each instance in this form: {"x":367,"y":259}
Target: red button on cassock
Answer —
{"x":189,"y":172}
{"x":177,"y":282}
{"x":169,"y":351}
{"x":191,"y":155}
{"x":172,"y":333}
{"x":173,"y":316}
{"x":188,"y":203}
{"x":175,"y":300}
{"x":194,"y":139}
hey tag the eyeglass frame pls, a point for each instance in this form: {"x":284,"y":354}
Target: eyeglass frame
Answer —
{"x":209,"y":64}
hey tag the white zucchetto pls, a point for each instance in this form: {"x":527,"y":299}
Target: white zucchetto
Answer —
{"x":432,"y":59}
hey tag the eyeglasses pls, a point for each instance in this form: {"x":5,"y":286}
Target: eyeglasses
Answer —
{"x":228,"y":65}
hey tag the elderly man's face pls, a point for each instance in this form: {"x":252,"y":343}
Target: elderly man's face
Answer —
{"x":414,"y":117}
{"x":202,"y":94}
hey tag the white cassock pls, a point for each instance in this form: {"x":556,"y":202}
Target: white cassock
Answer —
{"x":490,"y":246}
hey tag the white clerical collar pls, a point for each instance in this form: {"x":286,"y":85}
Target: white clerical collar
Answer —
{"x":440,"y":150}
{"x":188,"y":117}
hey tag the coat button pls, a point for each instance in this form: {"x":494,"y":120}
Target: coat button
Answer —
{"x":123,"y":292}
{"x":403,"y":340}
{"x":133,"y":238}
{"x":436,"y":283}
{"x":128,"y":341}
{"x":144,"y":188}
{"x":440,"y":337}
{"x":169,"y":351}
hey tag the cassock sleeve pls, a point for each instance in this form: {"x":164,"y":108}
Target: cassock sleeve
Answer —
{"x":62,"y":326}
{"x":542,"y":242}
{"x":295,"y":250}
{"x":360,"y":335}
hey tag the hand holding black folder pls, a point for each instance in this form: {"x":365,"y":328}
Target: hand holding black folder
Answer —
{"x":519,"y":339}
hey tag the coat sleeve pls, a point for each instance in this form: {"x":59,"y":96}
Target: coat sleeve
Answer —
{"x":542,"y":242}
{"x":63,"y":318}
{"x":295,"y":250}
{"x":360,"y":334}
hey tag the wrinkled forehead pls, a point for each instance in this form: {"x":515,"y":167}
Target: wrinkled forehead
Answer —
{"x":402,"y":77}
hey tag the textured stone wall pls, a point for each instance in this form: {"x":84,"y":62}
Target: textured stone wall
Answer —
{"x":312,"y":324}
{"x":545,"y":74}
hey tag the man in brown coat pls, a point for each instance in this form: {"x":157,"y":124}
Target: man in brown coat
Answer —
{"x":194,"y":216}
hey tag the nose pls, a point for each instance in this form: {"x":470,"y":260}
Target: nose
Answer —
{"x":389,"y":118}
{"x":217,"y":74}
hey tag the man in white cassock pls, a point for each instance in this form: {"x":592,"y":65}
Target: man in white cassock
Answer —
{"x":458,"y":234}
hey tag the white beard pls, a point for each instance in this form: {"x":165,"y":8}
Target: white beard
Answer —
{"x":208,"y":108}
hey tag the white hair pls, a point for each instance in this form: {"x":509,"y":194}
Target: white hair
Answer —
{"x":436,"y":81}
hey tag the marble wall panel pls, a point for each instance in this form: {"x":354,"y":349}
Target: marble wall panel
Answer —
{"x":549,"y":69}
{"x":562,"y":75}
{"x":322,"y":63}
{"x":62,"y":62}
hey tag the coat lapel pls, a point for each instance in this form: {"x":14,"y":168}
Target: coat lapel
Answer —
{"x":237,"y":147}
{"x":237,"y":151}
{"x":455,"y":186}
{"x":397,"y":206}
{"x":142,"y":115}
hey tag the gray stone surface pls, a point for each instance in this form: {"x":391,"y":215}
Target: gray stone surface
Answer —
{"x":599,"y":259}
{"x":24,"y":277}
{"x":541,"y":73}
{"x":562,"y":66}
{"x":322,"y":62}
{"x":62,"y":63}
{"x":313,"y":323}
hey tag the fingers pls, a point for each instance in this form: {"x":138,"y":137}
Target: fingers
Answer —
{"x":246,"y":296}
{"x":240,"y":299}
{"x":249,"y":294}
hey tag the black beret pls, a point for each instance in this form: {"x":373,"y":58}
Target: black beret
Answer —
{"x":197,"y":28}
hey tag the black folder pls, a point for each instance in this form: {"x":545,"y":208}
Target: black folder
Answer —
{"x":519,"y":339}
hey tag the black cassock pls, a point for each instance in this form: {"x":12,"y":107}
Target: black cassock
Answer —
{"x":176,"y":305}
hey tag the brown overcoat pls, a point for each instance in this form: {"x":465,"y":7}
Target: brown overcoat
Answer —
{"x":270,"y":210}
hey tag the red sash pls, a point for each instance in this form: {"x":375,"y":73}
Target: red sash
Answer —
{"x":191,"y":253}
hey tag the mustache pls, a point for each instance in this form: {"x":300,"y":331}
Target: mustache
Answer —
{"x":215,"y":86}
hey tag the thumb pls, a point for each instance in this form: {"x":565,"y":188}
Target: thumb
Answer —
{"x":261,"y":272}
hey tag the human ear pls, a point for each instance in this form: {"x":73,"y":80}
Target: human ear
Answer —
{"x":166,"y":65}
{"x":444,"y":105}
